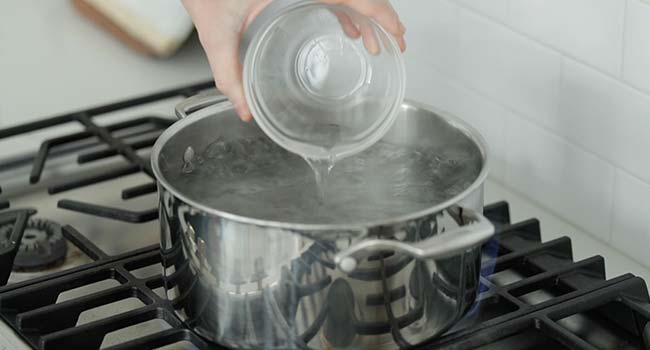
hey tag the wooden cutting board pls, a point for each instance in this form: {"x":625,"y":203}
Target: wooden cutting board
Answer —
{"x":152,"y":27}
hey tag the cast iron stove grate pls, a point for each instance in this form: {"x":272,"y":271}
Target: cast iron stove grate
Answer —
{"x":114,"y":145}
{"x":533,"y":295}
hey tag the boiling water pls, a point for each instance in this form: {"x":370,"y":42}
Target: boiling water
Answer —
{"x":256,"y":178}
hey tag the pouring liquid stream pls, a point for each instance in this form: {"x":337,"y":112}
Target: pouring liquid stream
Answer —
{"x":322,"y":169}
{"x":328,"y":136}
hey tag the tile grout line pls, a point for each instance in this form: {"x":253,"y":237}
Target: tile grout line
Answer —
{"x":560,"y":105}
{"x":616,"y":168}
{"x":621,"y":68}
{"x":548,"y":46}
{"x":612,"y":207}
{"x":464,"y":84}
{"x":523,"y":116}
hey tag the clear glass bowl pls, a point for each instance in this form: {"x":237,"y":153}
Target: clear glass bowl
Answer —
{"x":313,"y":86}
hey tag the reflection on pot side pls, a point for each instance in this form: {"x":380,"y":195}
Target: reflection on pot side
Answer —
{"x":285,"y":292}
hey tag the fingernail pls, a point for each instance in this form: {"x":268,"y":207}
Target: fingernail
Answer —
{"x":247,"y":117}
{"x":244,"y":114}
{"x":402,"y":44}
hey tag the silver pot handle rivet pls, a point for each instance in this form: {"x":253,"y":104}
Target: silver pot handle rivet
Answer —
{"x":348,"y":264}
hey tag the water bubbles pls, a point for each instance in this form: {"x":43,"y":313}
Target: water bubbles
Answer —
{"x":219,"y":149}
{"x":240,"y":168}
{"x":189,"y":159}
{"x":256,"y":178}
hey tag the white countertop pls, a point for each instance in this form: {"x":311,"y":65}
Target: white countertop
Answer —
{"x":52,"y":61}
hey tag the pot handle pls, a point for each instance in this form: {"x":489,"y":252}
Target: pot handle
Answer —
{"x":440,"y":246}
{"x":199,"y":101}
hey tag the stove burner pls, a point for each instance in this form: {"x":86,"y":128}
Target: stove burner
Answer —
{"x":42,"y":245}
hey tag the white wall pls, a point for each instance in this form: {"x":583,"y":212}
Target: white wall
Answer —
{"x":561,"y":91}
{"x":53,"y":60}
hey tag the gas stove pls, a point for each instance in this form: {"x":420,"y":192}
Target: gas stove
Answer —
{"x":80,"y":264}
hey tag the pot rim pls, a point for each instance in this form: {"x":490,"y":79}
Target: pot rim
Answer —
{"x":454,"y":121}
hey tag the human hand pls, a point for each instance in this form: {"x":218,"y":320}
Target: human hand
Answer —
{"x":221,"y":23}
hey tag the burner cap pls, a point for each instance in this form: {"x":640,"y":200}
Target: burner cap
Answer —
{"x":42,"y":245}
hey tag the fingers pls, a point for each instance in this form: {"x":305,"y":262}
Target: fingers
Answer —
{"x":255,"y":10}
{"x":370,"y":40}
{"x":219,"y":24}
{"x":348,"y":26}
{"x":401,"y":42}
{"x":223,"y":56}
{"x":383,"y":13}
{"x":220,"y":36}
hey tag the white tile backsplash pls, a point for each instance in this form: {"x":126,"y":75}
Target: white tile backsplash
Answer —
{"x":561,"y":91}
{"x":497,"y":9}
{"x":604,"y":116}
{"x":587,"y":29}
{"x":437,"y":38}
{"x":636,"y":68}
{"x":559,"y":175}
{"x":631,"y":225}
{"x":508,"y":67}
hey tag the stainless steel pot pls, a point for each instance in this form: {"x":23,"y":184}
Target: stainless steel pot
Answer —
{"x":254,"y":282}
